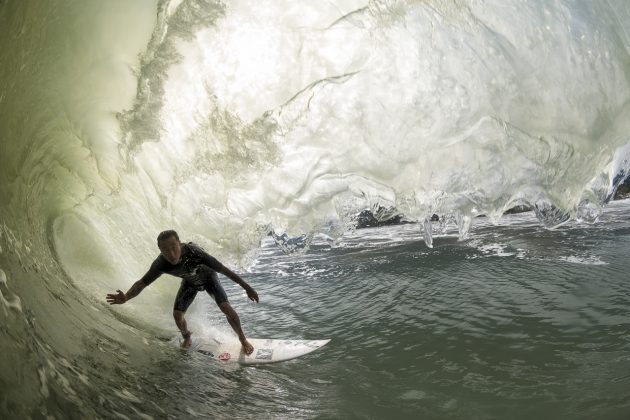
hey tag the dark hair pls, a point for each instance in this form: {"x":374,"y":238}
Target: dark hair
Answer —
{"x":166,"y":234}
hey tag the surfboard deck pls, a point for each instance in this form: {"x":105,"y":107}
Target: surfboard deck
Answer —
{"x":266,"y":350}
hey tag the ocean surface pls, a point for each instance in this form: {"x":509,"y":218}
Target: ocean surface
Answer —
{"x":261,"y":130}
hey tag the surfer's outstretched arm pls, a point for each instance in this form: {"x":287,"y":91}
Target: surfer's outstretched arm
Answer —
{"x":215,"y":265}
{"x":119,"y":297}
{"x":251,"y":293}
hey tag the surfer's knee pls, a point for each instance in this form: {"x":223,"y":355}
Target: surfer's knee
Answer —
{"x":178,"y":315}
{"x":225,"y":307}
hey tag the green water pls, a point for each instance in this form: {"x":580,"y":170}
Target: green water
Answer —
{"x":241,"y":121}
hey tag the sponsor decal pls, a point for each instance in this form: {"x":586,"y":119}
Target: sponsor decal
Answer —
{"x":264,"y":354}
{"x":225,"y":357}
{"x":206,"y":352}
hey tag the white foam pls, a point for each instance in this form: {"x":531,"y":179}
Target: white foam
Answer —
{"x":7,"y":298}
{"x":589,"y":260}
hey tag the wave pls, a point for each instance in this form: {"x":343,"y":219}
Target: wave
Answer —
{"x":259,"y":116}
{"x":229,"y":121}
{"x":251,"y":117}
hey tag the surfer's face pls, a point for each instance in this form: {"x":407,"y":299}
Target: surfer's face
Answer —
{"x":171,"y":249}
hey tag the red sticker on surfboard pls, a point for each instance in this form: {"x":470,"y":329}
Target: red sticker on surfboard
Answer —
{"x":224,"y":356}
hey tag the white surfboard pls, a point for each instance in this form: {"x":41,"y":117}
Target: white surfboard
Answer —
{"x":266,"y":350}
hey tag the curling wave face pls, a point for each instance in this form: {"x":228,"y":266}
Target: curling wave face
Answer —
{"x":252,"y":116}
{"x":264,"y":115}
{"x":230,"y":121}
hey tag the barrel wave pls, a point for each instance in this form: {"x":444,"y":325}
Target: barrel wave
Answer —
{"x":260,"y":130}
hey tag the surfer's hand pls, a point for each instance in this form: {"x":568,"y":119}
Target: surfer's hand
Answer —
{"x":251,"y":293}
{"x":116,"y":299}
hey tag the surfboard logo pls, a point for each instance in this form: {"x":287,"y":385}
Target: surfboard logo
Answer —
{"x":264,"y":354}
{"x":206,"y":352}
{"x":225,"y":357}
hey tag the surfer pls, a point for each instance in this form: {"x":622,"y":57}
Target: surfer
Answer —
{"x":198,"y":272}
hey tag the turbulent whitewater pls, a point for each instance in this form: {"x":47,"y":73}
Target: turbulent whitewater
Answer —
{"x":260,"y":130}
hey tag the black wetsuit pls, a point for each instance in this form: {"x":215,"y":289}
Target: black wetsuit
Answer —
{"x":197,"y":270}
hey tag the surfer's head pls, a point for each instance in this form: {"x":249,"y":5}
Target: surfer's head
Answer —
{"x":170,"y":247}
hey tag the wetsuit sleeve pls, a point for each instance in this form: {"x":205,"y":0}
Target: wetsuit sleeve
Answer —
{"x":211,"y":262}
{"x":207,"y":259}
{"x":151,"y":275}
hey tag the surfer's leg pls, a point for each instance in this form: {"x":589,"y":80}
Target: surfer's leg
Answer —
{"x":214,"y":289}
{"x":235,"y":322}
{"x":184,"y":298}
{"x":180,"y":321}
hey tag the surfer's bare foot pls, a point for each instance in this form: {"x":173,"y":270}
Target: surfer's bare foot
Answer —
{"x":247,"y":347}
{"x":187,"y":340}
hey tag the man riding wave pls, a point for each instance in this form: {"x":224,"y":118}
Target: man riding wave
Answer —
{"x":197,"y":269}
